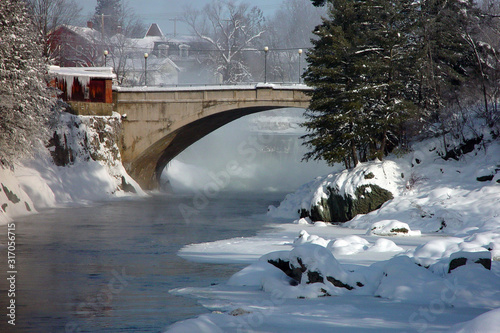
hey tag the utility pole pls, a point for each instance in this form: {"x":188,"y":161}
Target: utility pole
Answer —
{"x":175,"y":19}
{"x":102,"y":26}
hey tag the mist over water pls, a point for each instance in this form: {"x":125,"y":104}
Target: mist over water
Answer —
{"x":257,"y":153}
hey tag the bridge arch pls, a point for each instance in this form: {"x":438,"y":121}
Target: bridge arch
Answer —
{"x":159,"y":123}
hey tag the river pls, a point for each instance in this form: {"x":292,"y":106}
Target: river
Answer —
{"x":109,"y":267}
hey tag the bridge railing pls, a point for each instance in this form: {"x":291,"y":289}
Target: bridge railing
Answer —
{"x":238,"y":85}
{"x":254,"y":83}
{"x":212,"y":86}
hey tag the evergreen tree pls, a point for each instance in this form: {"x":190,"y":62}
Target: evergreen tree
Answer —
{"x":364,"y":84}
{"x":108,"y":16}
{"x":377,"y":65}
{"x":445,"y":61}
{"x":25,"y":102}
{"x":445,"y":57}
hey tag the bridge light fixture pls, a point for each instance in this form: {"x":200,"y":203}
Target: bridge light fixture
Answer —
{"x":105,"y":56}
{"x":146,"y":55}
{"x":300,"y":56}
{"x":266,"y":49}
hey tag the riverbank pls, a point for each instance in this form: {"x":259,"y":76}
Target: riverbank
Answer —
{"x":391,"y":279}
{"x":260,"y":299}
{"x":82,"y":165}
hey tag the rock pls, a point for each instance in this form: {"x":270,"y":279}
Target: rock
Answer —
{"x":391,"y":228}
{"x":485,"y":178}
{"x":61,"y":153}
{"x":126,"y":187}
{"x":311,"y":263}
{"x":10,"y":195}
{"x":337,"y":208}
{"x":462,"y":258}
{"x":239,"y":312}
{"x":465,"y":148}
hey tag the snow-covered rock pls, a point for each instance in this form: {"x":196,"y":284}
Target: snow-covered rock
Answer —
{"x":305,"y":238}
{"x":391,"y":228}
{"x":341,"y":196}
{"x":348,"y":245}
{"x":461,"y":258}
{"x":314,"y":264}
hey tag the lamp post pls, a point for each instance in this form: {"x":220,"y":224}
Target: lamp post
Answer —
{"x":105,"y":57}
{"x":266,"y":49}
{"x":146,"y":69}
{"x":300,"y":56}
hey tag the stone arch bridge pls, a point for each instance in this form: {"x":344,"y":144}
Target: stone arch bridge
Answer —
{"x":160,"y":122}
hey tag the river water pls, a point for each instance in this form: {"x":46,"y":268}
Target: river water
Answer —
{"x":109,"y":267}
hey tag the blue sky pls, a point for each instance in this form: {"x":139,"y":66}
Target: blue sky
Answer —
{"x":163,"y":11}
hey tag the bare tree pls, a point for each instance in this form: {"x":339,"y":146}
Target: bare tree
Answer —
{"x":230,"y":29}
{"x":482,"y":37}
{"x":121,"y":49}
{"x":131,"y":25}
{"x":48,"y":14}
{"x":290,"y":30}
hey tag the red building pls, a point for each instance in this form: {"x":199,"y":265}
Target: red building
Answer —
{"x":72,"y":46}
{"x":87,"y":89}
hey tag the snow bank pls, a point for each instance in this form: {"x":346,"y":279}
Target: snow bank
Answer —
{"x":430,"y":194}
{"x":14,"y":201}
{"x":348,"y":245}
{"x":94,"y":171}
{"x":445,"y":196}
{"x":488,"y":322}
{"x":401,"y":278}
{"x":201,"y":324}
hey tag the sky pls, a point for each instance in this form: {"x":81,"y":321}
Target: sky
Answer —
{"x":163,"y":12}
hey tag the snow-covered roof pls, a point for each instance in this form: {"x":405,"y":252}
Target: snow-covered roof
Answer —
{"x":153,"y":64}
{"x":87,"y":72}
{"x":85,"y":32}
{"x":82,"y":74}
{"x":147,"y":43}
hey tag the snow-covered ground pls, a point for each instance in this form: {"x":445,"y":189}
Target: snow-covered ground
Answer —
{"x":398,"y":281}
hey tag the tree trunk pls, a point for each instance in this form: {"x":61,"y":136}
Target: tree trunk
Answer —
{"x":354,"y":155}
{"x":381,"y":151}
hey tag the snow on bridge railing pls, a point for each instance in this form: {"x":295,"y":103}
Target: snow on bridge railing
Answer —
{"x":214,"y":86}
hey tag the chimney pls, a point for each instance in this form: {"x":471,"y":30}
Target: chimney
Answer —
{"x":90,"y":24}
{"x":119,"y":29}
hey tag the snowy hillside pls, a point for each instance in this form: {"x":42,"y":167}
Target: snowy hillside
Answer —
{"x":430,"y":193}
{"x":89,"y":169}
